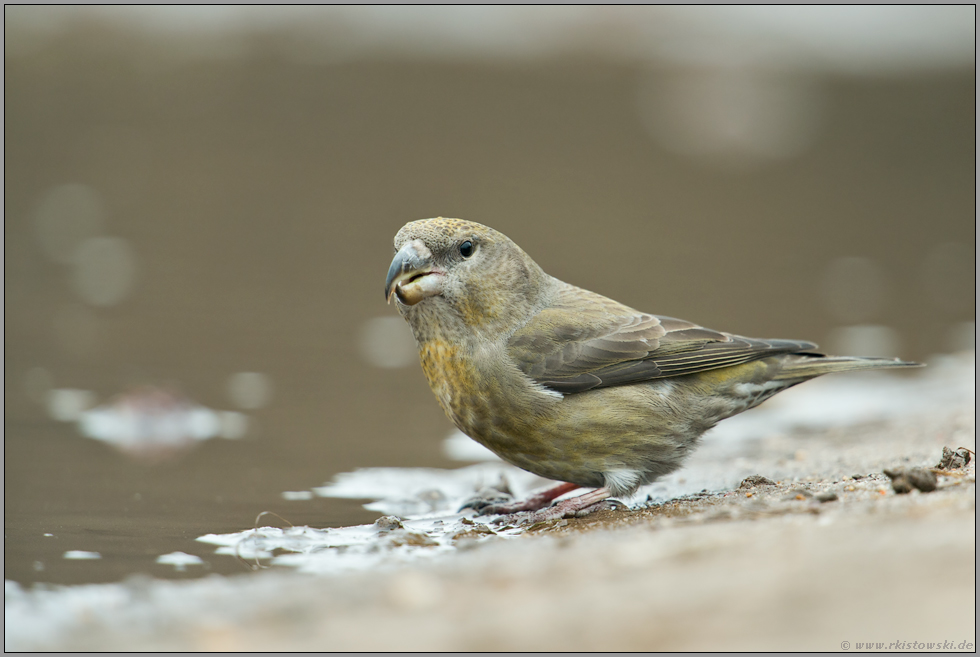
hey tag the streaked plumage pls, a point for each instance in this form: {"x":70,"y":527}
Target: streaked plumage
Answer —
{"x":567,"y":383}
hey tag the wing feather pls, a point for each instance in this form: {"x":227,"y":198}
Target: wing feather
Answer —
{"x":585,"y":341}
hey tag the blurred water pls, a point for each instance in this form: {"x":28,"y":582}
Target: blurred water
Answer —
{"x":206,"y":211}
{"x":849,"y":38}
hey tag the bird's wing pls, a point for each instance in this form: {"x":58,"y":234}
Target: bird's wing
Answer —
{"x":585,"y":341}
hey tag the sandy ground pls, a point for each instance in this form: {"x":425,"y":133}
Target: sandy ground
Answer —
{"x":827,"y":557}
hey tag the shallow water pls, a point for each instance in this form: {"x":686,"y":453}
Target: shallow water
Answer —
{"x":219,"y":269}
{"x":828,"y":483}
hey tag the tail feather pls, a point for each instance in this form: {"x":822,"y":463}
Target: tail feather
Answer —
{"x":807,"y":366}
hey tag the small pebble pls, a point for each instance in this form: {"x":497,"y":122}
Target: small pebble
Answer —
{"x":954,"y":459}
{"x":923,"y":479}
{"x":387,"y":523}
{"x":903,"y":481}
{"x":755,"y":481}
{"x":476,"y":532}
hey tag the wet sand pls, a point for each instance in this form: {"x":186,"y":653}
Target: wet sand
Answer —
{"x":826,"y":553}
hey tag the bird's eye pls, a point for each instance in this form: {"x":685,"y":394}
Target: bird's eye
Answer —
{"x":466,"y":249}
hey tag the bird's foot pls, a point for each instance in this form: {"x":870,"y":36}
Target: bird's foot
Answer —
{"x":531,"y":518}
{"x":485,"y":506}
{"x":573,"y":507}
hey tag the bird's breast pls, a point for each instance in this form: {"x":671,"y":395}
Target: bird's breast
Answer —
{"x":488,"y":400}
{"x":449,"y":376}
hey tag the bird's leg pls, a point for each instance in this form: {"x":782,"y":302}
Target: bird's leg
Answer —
{"x":533,"y":503}
{"x":573,"y":507}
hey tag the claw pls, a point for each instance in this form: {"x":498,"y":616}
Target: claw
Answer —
{"x":573,"y":507}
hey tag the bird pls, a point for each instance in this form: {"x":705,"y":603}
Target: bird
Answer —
{"x":569,"y":384}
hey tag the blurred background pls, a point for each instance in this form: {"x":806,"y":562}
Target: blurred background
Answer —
{"x":199,"y":205}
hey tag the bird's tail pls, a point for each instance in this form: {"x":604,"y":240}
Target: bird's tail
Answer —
{"x":807,"y":366}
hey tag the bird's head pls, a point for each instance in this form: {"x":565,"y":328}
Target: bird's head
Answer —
{"x":463,"y":268}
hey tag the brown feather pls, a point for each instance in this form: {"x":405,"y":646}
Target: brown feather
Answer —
{"x":584,"y":341}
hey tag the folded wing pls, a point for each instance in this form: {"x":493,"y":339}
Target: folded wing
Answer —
{"x":585,"y":341}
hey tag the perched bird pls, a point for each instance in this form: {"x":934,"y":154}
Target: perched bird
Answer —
{"x":566,"y":383}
